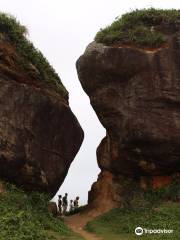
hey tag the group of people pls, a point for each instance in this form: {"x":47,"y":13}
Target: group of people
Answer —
{"x":63,"y":204}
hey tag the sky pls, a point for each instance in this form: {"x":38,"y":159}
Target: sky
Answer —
{"x":62,"y":29}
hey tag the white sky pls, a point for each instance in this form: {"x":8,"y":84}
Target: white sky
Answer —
{"x":62,"y":29}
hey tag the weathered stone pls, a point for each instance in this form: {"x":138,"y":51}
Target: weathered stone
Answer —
{"x":39,"y":135}
{"x":2,"y":188}
{"x":52,"y":209}
{"x":136,"y":95}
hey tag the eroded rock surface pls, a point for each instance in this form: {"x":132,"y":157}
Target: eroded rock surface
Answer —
{"x":39,"y":135}
{"x":136,"y":95}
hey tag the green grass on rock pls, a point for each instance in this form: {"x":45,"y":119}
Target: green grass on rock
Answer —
{"x":15,"y":33}
{"x":136,"y":27}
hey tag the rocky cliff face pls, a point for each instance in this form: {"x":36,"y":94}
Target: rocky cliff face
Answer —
{"x":136,"y":95}
{"x":39,"y":134}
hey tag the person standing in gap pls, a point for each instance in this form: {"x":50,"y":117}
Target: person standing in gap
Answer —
{"x":60,"y":204}
{"x":76,"y":203}
{"x":65,"y":203}
{"x":71,"y":206}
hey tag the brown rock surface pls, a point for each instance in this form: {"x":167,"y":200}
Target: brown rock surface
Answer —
{"x":136,"y":95}
{"x":52,"y":209}
{"x":39,"y":135}
{"x":2,"y":188}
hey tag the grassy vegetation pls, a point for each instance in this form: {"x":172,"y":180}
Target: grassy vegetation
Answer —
{"x":77,"y":210}
{"x":120,"y":223}
{"x":149,"y":212}
{"x":25,"y":217}
{"x":136,"y":27}
{"x":14,"y":32}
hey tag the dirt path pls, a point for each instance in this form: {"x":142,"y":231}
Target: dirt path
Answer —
{"x":77,"y":223}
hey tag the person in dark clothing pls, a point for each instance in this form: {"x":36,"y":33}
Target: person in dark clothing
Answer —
{"x":65,"y":203}
{"x":76,"y":203}
{"x":60,"y":204}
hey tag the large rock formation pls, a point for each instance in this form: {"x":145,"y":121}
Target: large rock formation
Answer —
{"x":136,"y":95}
{"x":39,"y":135}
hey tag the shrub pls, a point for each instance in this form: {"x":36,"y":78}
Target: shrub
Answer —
{"x":135,"y":27}
{"x":25,"y":216}
{"x":16,"y":34}
{"x":77,"y":210}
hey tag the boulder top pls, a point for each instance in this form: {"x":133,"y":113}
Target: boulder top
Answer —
{"x":13,"y":38}
{"x":143,"y":28}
